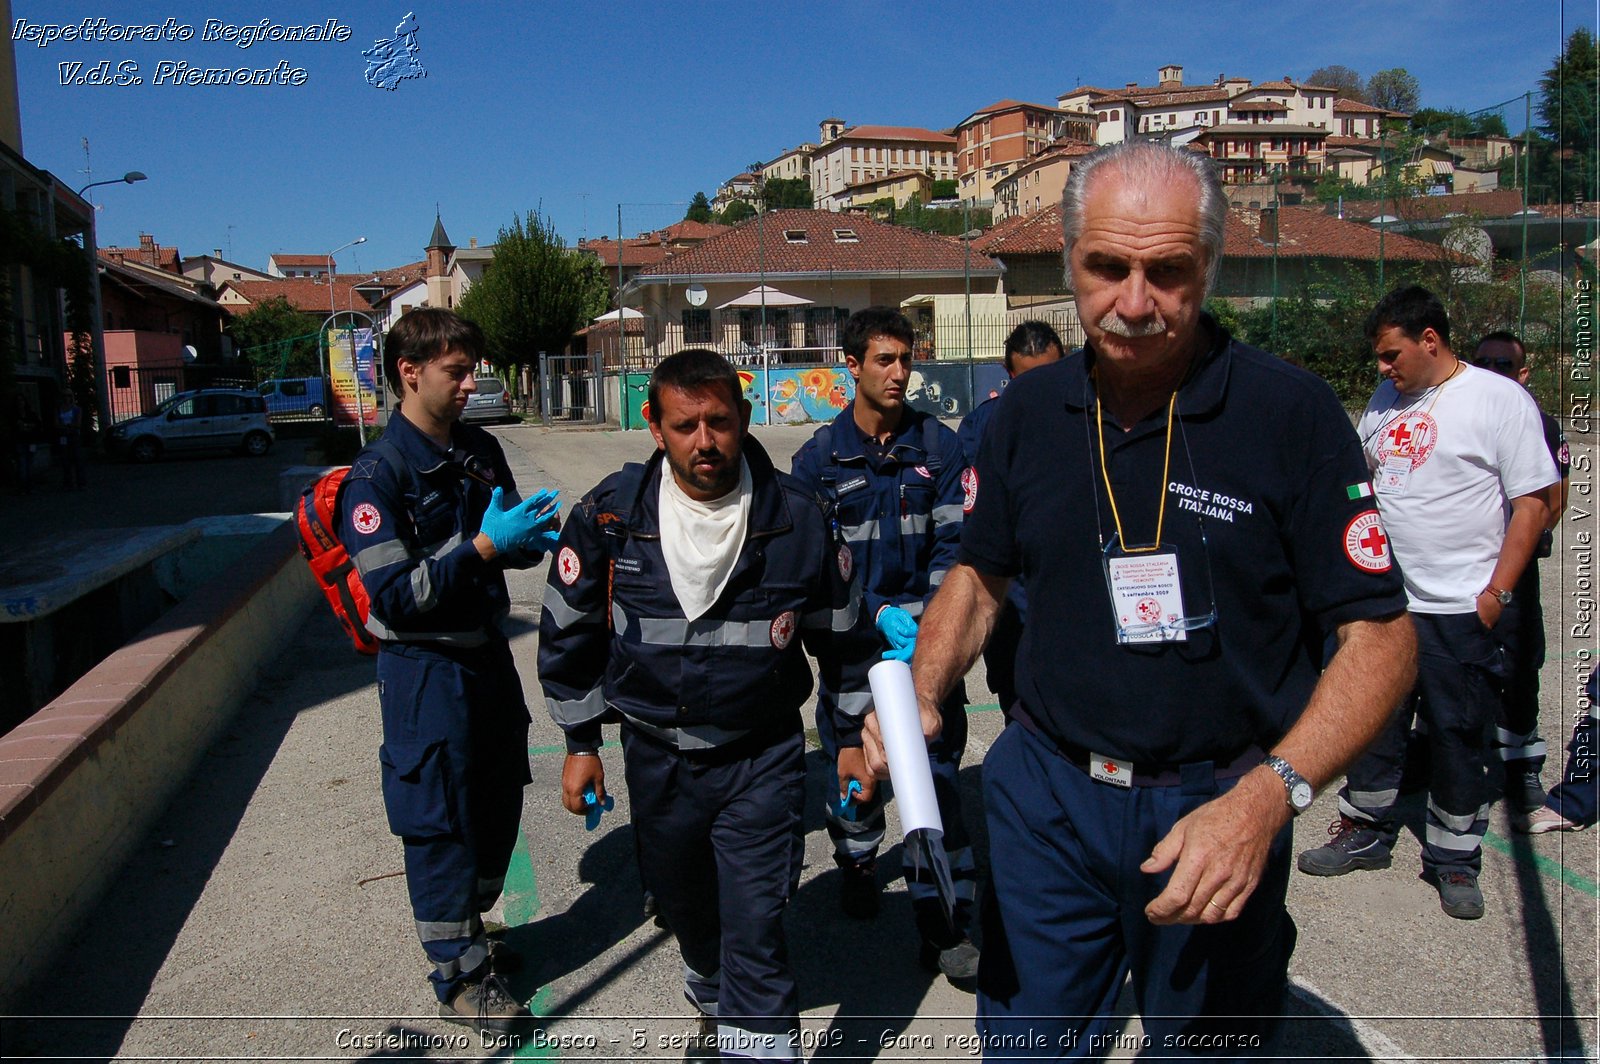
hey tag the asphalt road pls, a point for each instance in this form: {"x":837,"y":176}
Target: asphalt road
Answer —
{"x":265,"y":917}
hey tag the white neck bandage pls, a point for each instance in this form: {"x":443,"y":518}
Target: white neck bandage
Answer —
{"x":701,"y":540}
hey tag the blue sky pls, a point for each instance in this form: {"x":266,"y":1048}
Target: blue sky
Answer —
{"x":576,"y":109}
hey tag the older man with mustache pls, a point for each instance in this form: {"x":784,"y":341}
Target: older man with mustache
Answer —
{"x":1188,"y":516}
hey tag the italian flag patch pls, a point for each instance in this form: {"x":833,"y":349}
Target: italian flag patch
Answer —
{"x":1362,"y":490}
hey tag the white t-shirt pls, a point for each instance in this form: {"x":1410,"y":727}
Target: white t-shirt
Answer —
{"x":1445,"y":465}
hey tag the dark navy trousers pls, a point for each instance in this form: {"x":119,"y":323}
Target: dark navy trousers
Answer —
{"x":454,"y":764}
{"x":721,"y":843}
{"x":1461,"y":666}
{"x":1064,"y":922}
{"x":858,"y":841}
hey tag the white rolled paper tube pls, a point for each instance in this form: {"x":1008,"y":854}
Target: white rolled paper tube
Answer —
{"x":895,"y":699}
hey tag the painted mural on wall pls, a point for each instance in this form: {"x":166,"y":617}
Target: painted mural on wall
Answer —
{"x":798,"y":395}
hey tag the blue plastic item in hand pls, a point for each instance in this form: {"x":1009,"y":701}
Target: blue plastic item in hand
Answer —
{"x":523,"y":525}
{"x":900,"y":629}
{"x":847,"y":807}
{"x":591,"y":817}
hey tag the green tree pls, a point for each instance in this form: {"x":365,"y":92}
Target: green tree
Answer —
{"x":1345,"y":83}
{"x":277,"y":340}
{"x":780,"y":192}
{"x":736,"y":212}
{"x":535,"y":294}
{"x":945,"y":189}
{"x":699,"y":209}
{"x":1567,"y":103}
{"x":1394,"y":90}
{"x":1453,"y":122}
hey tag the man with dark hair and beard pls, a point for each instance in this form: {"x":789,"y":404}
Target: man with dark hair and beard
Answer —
{"x":678,"y":602}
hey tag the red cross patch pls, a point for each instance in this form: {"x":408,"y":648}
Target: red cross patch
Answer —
{"x":969,"y":489}
{"x":568,"y":567}
{"x":1411,"y":436}
{"x":922,"y":470}
{"x":366,"y":519}
{"x":783,"y":629}
{"x":846,"y":562}
{"x":1366,"y":544}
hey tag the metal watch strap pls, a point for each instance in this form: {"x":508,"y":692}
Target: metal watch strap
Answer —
{"x":1292,"y":781}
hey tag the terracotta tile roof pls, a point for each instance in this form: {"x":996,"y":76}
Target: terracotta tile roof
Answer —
{"x":1496,"y":203}
{"x":1588,"y":209}
{"x":159,"y":257}
{"x":1168,"y":93}
{"x":1371,"y":143}
{"x":879,"y":248}
{"x":395,"y":276}
{"x":1359,"y":108}
{"x":691,"y":230}
{"x":887,"y":179}
{"x":1262,"y":129}
{"x":301,"y":260}
{"x":1028,"y":234}
{"x":1304,"y":232}
{"x":1258,"y":105}
{"x":634,"y":252}
{"x":1273,"y":86}
{"x":895,"y":133}
{"x":303,"y":293}
{"x":1005,"y":105}
{"x":141,"y":280}
{"x":1179,"y":98}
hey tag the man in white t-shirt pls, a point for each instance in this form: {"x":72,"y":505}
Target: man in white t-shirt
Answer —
{"x":1459,"y":469}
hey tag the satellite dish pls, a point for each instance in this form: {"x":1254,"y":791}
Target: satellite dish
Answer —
{"x":189,"y":353}
{"x":696,"y":295}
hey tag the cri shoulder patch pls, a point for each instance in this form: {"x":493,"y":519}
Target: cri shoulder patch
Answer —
{"x":969,"y":489}
{"x":1366,"y":544}
{"x":366,"y":519}
{"x":846,"y":562}
{"x":568,"y":566}
{"x":783,"y":629}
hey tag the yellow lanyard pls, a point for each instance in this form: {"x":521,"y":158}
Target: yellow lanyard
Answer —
{"x":1105,"y":474}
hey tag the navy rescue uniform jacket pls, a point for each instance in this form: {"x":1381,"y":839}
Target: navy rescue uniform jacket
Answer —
{"x":614,"y":642}
{"x":410,"y":530}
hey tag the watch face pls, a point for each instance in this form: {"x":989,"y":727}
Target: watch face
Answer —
{"x":1300,"y":795}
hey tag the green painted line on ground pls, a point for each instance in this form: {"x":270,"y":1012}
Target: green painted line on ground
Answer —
{"x":1546,"y":866}
{"x":560,"y":748}
{"x":521,"y":906}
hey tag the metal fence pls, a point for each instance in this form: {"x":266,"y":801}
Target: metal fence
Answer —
{"x":790,"y":339}
{"x":570,"y":389}
{"x":134,"y":391}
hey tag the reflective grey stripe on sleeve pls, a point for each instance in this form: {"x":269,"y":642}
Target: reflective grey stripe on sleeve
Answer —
{"x":565,"y":616}
{"x":577,"y":710}
{"x":690,"y":737}
{"x":389,"y":552}
{"x":936,"y":577}
{"x":475,"y":638}
{"x":916,"y":524}
{"x":738,"y":1043}
{"x":854,"y":703}
{"x":839,"y":620}
{"x":949,"y":514}
{"x":444,"y":546}
{"x":859,"y":533}
{"x":422,"y":590}
{"x":913,"y":607}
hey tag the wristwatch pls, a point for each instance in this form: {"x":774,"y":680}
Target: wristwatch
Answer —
{"x":1299,"y":791}
{"x":1503,"y":596}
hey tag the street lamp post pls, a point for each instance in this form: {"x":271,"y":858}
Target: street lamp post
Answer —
{"x":332,"y":311}
{"x":97,"y":335}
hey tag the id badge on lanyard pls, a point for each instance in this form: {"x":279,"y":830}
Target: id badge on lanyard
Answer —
{"x":1394,"y":475}
{"x":1146,"y":595}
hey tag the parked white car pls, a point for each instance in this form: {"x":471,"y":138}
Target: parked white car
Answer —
{"x":208,"y":419}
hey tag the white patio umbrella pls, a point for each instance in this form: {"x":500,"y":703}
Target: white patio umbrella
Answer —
{"x":623,"y":313}
{"x":774,"y":298}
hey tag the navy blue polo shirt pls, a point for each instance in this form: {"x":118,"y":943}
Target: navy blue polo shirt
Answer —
{"x":1267,"y":508}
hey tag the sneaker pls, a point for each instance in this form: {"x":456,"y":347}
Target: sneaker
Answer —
{"x":1459,"y":895}
{"x":702,"y":1045}
{"x":858,"y":890}
{"x":1545,"y":819}
{"x":1353,"y":846}
{"x":486,"y":1005}
{"x":1524,"y":792}
{"x":959,"y":963}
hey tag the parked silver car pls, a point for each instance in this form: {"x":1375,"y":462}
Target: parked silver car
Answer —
{"x":211,"y":418}
{"x":491,"y":402}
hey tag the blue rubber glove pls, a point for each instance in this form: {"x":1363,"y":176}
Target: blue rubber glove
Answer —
{"x":900,"y":629}
{"x":521,"y":526}
{"x":591,"y":819}
{"x":847,"y":808}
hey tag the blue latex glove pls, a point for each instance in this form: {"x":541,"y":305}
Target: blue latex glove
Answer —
{"x":847,"y":809}
{"x":521,"y":526}
{"x":591,"y":818}
{"x":900,"y":629}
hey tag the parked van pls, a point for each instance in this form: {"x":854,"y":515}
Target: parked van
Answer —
{"x":294,"y":395}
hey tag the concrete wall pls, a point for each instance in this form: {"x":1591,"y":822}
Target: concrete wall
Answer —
{"x":82,"y":779}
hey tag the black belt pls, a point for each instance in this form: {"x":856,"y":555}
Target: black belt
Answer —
{"x":1081,"y":757}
